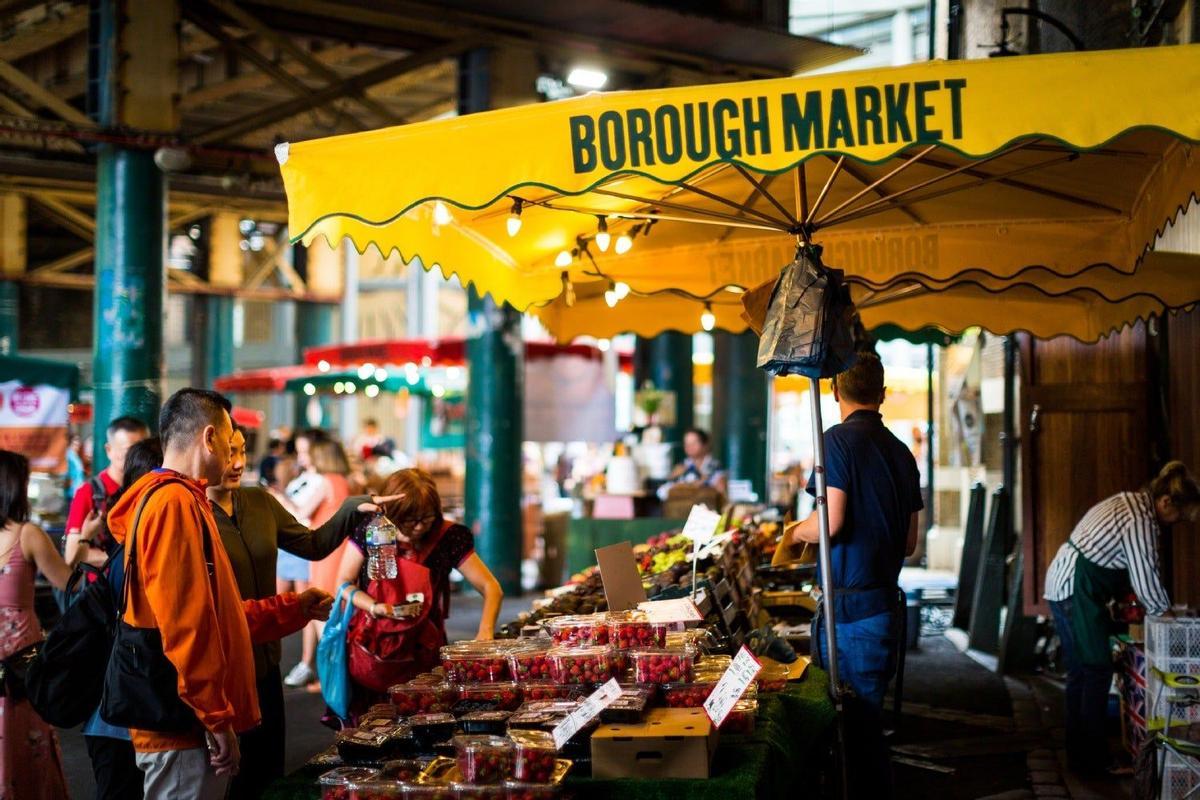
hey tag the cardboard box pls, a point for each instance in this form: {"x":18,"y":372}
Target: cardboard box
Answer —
{"x":668,"y":743}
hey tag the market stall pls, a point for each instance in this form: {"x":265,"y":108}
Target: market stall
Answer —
{"x":651,"y":211}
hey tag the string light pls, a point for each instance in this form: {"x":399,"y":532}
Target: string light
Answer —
{"x":708,"y":321}
{"x":339,"y":387}
{"x":372,"y":390}
{"x":366,"y":371}
{"x":514,"y":218}
{"x":602,"y":345}
{"x":350,"y":387}
{"x":603,"y":237}
{"x":735,"y":290}
{"x":624,"y":242}
{"x":309,"y":389}
{"x":438,"y":390}
{"x":563,"y":259}
{"x":441,"y":214}
{"x":622,"y":289}
{"x":610,"y":295}
{"x":381,"y":375}
{"x":323,"y":366}
{"x":568,"y":289}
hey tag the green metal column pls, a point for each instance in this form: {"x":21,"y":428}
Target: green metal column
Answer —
{"x":495,"y":396}
{"x":314,"y":326}
{"x":10,"y":322}
{"x":666,"y":361}
{"x":740,"y":409}
{"x":127,"y":367}
{"x":218,"y":338}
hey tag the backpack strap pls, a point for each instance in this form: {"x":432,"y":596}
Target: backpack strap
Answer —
{"x":99,"y":492}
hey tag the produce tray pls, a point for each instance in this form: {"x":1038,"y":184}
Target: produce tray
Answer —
{"x":444,"y":771}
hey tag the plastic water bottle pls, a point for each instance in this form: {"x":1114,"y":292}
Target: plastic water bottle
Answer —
{"x":381,"y":537}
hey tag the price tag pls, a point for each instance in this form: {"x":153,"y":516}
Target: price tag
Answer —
{"x":732,"y":686}
{"x":680,"y":609}
{"x":701,"y":525}
{"x":599,"y":700}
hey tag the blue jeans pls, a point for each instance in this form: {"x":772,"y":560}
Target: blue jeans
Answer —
{"x":866,"y":663}
{"x":1087,"y":699}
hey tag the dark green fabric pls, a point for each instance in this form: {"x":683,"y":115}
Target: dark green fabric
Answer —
{"x":781,"y":758}
{"x":38,"y":371}
{"x":1090,"y":621}
{"x":262,"y":528}
{"x":585,"y":535}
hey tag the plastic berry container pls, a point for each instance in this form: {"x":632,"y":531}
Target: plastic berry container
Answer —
{"x":581,"y":665}
{"x":772,"y":678}
{"x":357,"y":745}
{"x":741,"y":717}
{"x":548,"y":690}
{"x":687,"y":695}
{"x":530,"y":663}
{"x":621,"y":662}
{"x":466,"y":663}
{"x":500,"y":696}
{"x":630,"y":707}
{"x":590,"y":629}
{"x":489,"y":723}
{"x":432,"y":728}
{"x":336,"y":783}
{"x":469,"y":791}
{"x":409,"y":699}
{"x":630,"y":630}
{"x":534,"y":756}
{"x":661,"y":666}
{"x":429,"y":791}
{"x":483,"y":759}
{"x":376,"y":789}
{"x":517,"y":790}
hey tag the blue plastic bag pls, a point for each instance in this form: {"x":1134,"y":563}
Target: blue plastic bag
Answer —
{"x":332,"y":659}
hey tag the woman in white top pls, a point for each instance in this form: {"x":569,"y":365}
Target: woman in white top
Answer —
{"x":1114,"y":546}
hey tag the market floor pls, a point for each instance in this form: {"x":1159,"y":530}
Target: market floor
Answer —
{"x":305,"y":735}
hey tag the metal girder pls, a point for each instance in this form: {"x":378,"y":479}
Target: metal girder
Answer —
{"x":357,"y":83}
{"x":315,"y":67}
{"x":42,"y":35}
{"x":69,"y":217}
{"x":216,"y":92}
{"x":88,"y":283}
{"x":85,"y":255}
{"x":41,"y":95}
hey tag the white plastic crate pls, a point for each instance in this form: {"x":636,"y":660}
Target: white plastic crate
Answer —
{"x":1172,"y":645}
{"x":1177,"y":780}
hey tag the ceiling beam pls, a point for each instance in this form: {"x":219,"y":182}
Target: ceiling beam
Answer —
{"x":314,"y":67}
{"x":81,"y":224}
{"x":42,"y":96}
{"x":87,"y":283}
{"x":358,"y":83}
{"x":45,"y":34}
{"x":215,"y":92}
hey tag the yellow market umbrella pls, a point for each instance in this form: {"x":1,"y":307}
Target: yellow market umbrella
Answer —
{"x":1058,"y":161}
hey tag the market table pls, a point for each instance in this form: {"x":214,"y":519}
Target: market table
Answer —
{"x":793,"y":727}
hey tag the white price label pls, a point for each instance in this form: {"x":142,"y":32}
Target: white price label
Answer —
{"x":701,"y":525}
{"x":599,"y":700}
{"x":679,"y":609}
{"x":732,"y":686}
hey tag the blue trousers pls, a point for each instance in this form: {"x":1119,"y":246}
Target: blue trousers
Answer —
{"x":866,"y":663}
{"x":1087,"y":699}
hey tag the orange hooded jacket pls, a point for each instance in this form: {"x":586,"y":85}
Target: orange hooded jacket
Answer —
{"x":206,"y":627}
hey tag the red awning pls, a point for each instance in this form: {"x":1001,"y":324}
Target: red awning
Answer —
{"x":443,"y":352}
{"x":247,"y":417}
{"x":271,"y":379}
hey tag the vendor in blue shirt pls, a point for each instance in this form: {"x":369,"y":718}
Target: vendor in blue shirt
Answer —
{"x":874,"y":497}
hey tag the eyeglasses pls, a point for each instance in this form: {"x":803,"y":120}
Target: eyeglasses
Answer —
{"x":412,"y":522}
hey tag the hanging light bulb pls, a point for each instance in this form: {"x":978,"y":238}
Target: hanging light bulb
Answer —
{"x":602,"y":345}
{"x":563,"y":259}
{"x":624,"y":242}
{"x":603,"y":237}
{"x":708,"y":320}
{"x":514,"y":218}
{"x":323,"y":365}
{"x":339,"y":387}
{"x":310,"y":389}
{"x":372,"y":390}
{"x":610,"y":295}
{"x":622,"y":289}
{"x":568,"y":289}
{"x":441,"y":214}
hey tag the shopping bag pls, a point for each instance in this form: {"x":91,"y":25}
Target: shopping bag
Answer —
{"x":332,"y":664}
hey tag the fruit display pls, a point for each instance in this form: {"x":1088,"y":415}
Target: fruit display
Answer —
{"x":376,"y":789}
{"x":409,"y":699}
{"x":530,"y":663}
{"x":491,"y":723}
{"x":591,"y":629}
{"x":432,"y":728}
{"x":474,"y":662}
{"x":468,"y":791}
{"x":772,"y":678}
{"x":581,"y":665}
{"x":741,"y":717}
{"x":687,"y":695}
{"x":484,"y":759}
{"x":335,"y":784}
{"x":516,"y":790}
{"x":429,"y":791}
{"x":380,"y":711}
{"x":400,"y":769}
{"x":621,"y":663}
{"x":534,"y":756}
{"x":503,"y":696}
{"x":662,"y":666}
{"x":631,"y":629}
{"x":367,"y":745}
{"x":548,"y":690}
{"x":628,"y":708}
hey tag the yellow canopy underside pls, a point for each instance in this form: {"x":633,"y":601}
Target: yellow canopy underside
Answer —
{"x":953,"y":171}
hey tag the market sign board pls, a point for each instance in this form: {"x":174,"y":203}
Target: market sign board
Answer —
{"x":33,"y":422}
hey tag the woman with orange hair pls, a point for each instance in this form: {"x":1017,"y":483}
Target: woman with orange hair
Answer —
{"x":400,"y":623}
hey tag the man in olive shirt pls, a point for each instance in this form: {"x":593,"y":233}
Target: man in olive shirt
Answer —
{"x":253,"y":528}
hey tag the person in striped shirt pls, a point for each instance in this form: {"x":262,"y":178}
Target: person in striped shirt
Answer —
{"x":1114,"y":546}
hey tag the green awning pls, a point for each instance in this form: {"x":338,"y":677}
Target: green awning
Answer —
{"x":40,"y":371}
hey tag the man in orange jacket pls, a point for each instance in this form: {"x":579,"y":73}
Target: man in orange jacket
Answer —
{"x":206,"y":628}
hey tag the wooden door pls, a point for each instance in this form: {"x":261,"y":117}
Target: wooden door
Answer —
{"x":1083,"y":438}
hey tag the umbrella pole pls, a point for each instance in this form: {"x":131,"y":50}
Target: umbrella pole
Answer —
{"x":827,"y":590}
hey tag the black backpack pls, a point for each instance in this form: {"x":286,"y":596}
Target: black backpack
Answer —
{"x":66,"y":676}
